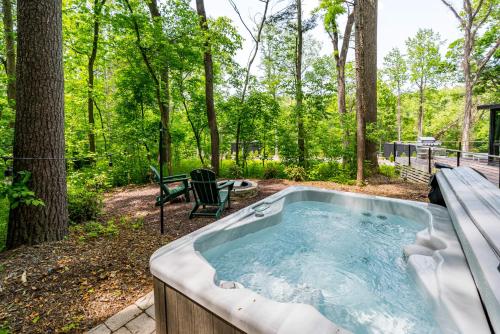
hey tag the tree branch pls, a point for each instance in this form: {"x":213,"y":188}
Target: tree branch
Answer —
{"x":478,"y":8}
{"x":347,"y":37}
{"x":485,"y":60}
{"x":483,"y":20}
{"x":453,"y":10}
{"x":241,"y":19}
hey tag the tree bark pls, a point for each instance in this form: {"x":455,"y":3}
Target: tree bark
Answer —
{"x":366,"y":81}
{"x":298,"y":87}
{"x":10,"y":52}
{"x":209,"y":89}
{"x":39,"y":128}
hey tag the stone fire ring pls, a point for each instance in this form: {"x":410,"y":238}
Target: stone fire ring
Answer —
{"x":245,"y":188}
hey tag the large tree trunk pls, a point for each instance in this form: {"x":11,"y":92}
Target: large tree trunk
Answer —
{"x":298,"y":88}
{"x":10,"y":52}
{"x":209,"y":89}
{"x":39,"y":129}
{"x":90,"y":69}
{"x":420,"y":125}
{"x":370,"y":75}
{"x":366,"y":81}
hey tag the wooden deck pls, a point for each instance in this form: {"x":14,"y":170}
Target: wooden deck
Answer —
{"x":491,"y":172}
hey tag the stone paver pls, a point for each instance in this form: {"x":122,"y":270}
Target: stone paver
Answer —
{"x":145,"y":301}
{"x":151,"y":311}
{"x":122,"y":330}
{"x":141,"y":325}
{"x":138,"y":318}
{"x":122,"y":317}
{"x":101,"y":329}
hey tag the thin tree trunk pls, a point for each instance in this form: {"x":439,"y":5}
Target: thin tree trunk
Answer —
{"x":398,"y":115}
{"x":421,"y":111}
{"x":39,"y":128}
{"x":10,"y":52}
{"x":209,"y":89}
{"x":471,"y":24}
{"x":90,"y":69}
{"x":366,"y":81}
{"x":340,"y":57}
{"x":196,"y":133}
{"x":247,"y":73}
{"x":298,"y":87}
{"x":165,"y":106}
{"x":468,"y":105}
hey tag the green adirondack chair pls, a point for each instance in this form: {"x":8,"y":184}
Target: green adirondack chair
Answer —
{"x":207,"y":192}
{"x":174,"y":192}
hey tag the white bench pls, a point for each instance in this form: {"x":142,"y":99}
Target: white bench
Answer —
{"x":474,"y":206}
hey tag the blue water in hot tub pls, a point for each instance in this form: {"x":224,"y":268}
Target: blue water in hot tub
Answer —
{"x":346,"y":263}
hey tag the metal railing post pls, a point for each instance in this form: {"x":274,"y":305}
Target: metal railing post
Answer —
{"x":430,"y":157}
{"x":459,"y":153}
{"x":162,"y":129}
{"x":409,"y":155}
{"x":394,"y":151}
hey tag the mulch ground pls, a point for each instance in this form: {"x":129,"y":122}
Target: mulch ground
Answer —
{"x":73,"y":285}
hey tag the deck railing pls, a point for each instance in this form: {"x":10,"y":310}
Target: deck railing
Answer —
{"x":428,"y":158}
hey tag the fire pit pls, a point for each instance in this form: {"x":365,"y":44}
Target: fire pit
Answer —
{"x":245,"y":188}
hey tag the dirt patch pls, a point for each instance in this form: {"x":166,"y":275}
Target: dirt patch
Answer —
{"x":74,"y":284}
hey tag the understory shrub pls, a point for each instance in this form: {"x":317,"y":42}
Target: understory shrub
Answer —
{"x":296,"y":173}
{"x":389,"y":171}
{"x":332,"y":171}
{"x":235,"y":171}
{"x":84,"y":205}
{"x":272,"y":171}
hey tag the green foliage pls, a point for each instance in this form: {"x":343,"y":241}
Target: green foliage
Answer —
{"x":93,"y":229}
{"x":273,"y":171}
{"x":235,"y":171}
{"x":18,"y":192}
{"x":84,"y":205}
{"x":4,"y":219}
{"x":389,"y":171}
{"x":332,"y":171}
{"x":295,"y":173}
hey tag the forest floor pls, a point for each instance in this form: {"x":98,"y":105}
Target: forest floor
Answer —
{"x":72,"y":285}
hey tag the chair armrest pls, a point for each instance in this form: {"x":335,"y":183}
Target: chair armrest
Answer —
{"x":227,"y":184}
{"x":175,"y":178}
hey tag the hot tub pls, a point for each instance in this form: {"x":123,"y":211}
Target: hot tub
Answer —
{"x":307,"y":260}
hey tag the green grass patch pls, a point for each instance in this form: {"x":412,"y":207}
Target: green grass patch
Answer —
{"x":4,"y":218}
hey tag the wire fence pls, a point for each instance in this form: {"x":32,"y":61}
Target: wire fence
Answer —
{"x":430,"y":158}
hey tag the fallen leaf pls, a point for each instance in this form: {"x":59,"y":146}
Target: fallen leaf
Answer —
{"x":23,"y":277}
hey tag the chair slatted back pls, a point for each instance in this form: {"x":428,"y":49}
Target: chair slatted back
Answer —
{"x":157,"y":179}
{"x":204,"y":184}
